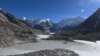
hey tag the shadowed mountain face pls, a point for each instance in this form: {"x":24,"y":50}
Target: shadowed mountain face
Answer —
{"x":93,"y":22}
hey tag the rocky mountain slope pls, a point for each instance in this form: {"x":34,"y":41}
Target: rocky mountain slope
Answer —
{"x":13,"y":29}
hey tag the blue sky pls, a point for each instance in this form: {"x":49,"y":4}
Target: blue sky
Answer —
{"x":53,"y":9}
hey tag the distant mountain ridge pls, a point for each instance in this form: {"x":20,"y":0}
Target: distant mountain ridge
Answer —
{"x":70,"y":23}
{"x":48,"y":25}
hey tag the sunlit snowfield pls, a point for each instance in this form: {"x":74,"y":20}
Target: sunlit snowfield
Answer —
{"x":83,"y":48}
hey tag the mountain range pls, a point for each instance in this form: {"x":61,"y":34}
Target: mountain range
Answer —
{"x":70,"y":23}
{"x":47,"y":25}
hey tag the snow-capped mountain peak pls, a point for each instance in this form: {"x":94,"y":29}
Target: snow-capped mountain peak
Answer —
{"x":44,"y":20}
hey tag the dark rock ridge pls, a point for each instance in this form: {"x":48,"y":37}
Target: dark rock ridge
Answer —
{"x":48,"y":52}
{"x":92,"y":22}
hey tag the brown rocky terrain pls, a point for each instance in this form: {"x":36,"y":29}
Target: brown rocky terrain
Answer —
{"x":6,"y":37}
{"x":12,"y":29}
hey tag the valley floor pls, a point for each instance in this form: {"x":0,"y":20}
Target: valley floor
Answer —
{"x":83,"y":48}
